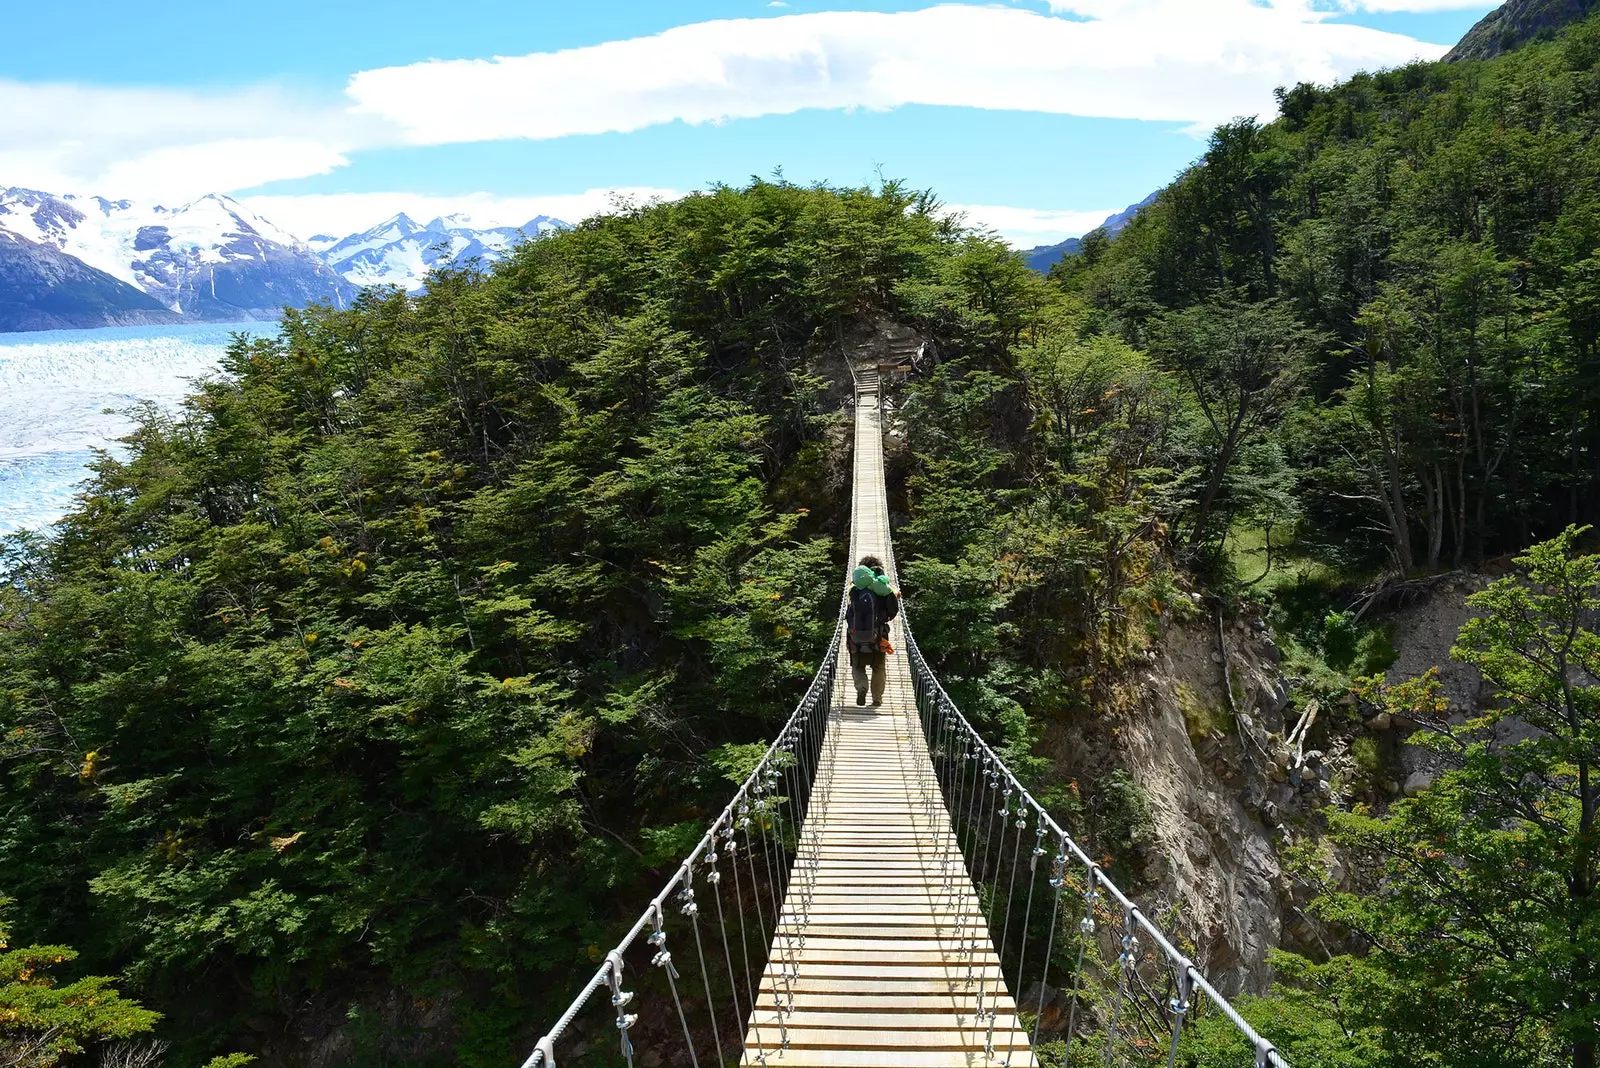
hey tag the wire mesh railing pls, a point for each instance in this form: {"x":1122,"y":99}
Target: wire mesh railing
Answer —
{"x":767,"y":818}
{"x":725,"y":907}
{"x":1046,"y":900}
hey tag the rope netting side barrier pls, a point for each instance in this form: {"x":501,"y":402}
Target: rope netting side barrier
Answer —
{"x":1048,"y":903}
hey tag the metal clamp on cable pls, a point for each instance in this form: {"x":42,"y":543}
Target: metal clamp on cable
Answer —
{"x":619,"y":1000}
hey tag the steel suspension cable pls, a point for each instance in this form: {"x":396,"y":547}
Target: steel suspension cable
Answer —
{"x":1266,"y":1054}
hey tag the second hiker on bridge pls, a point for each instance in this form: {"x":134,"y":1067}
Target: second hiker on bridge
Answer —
{"x":873,"y":602}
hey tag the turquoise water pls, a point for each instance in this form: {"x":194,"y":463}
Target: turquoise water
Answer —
{"x":64,"y":393}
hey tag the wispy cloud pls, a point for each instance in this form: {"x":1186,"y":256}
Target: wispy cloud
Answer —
{"x":1028,"y":227}
{"x":171,"y":143}
{"x":1197,"y":61}
{"x":1416,"y":6}
{"x":1192,"y":61}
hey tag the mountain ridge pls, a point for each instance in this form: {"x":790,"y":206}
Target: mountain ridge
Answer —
{"x":1516,"y":23}
{"x":400,"y":251}
{"x":208,"y":260}
{"x":1042,"y":257}
{"x":211,"y":259}
{"x":43,"y":288}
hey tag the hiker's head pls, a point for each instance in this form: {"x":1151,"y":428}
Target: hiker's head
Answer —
{"x":872,"y":562}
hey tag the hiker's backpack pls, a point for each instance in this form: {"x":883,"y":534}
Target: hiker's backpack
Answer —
{"x":863,"y":633}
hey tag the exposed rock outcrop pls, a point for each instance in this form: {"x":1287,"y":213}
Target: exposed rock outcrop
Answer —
{"x":1515,"y":23}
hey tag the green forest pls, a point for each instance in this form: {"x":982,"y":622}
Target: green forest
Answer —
{"x":353,"y":708}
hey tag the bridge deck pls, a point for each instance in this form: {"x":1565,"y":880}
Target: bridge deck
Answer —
{"x":877,"y":951}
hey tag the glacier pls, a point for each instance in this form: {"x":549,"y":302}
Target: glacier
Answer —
{"x":65,"y":393}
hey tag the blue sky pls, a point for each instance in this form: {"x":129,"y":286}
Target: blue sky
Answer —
{"x":1036,"y":118}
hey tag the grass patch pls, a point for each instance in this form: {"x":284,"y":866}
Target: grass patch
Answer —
{"x":1364,"y":751}
{"x":1246,"y":552}
{"x":1200,"y":719}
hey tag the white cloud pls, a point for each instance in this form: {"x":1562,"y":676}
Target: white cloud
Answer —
{"x":339,"y":214}
{"x":1028,"y":227}
{"x":1195,"y":61}
{"x":158,"y":143}
{"x":1417,"y":6}
{"x":1191,"y":61}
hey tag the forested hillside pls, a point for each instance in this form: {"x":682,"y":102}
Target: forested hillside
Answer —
{"x":1383,"y":310}
{"x":349,"y":710}
{"x":1430,"y":233}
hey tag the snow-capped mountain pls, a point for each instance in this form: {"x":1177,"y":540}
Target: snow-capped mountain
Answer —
{"x":43,"y":288}
{"x":399,"y":251}
{"x":211,"y":259}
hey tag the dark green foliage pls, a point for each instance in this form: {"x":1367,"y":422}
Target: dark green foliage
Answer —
{"x":1436,"y":228}
{"x":45,"y":1020}
{"x":1339,"y":640}
{"x":372,"y":689}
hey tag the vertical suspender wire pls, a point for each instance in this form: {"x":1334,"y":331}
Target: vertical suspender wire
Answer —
{"x":1027,"y":915}
{"x":780,"y":931}
{"x":732,"y":846}
{"x":714,"y":877}
{"x":963,"y":805}
{"x":761,"y":926}
{"x":979,"y":781}
{"x":773,"y":868}
{"x":1179,"y":1008}
{"x":799,"y":868}
{"x":972,"y":957}
{"x":1086,"y":933}
{"x":1021,"y":824}
{"x":688,"y":906}
{"x":663,"y":960}
{"x":1058,"y":879}
{"x":983,"y":985}
{"x":1125,"y":960}
{"x":948,"y":792}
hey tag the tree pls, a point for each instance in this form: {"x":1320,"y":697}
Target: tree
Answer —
{"x":1485,"y":938}
{"x":1243,"y":362}
{"x":43,"y":1020}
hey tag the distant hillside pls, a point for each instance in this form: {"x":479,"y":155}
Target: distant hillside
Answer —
{"x":1515,"y":23}
{"x":1043,"y":257}
{"x":43,"y":288}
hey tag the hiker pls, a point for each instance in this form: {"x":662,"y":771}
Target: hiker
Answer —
{"x":873,"y":602}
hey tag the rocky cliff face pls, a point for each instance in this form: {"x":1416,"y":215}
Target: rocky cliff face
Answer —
{"x":43,"y":288}
{"x":1515,"y":23}
{"x":1216,"y":795}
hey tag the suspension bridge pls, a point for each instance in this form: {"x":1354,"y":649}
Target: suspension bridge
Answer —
{"x":882,"y":890}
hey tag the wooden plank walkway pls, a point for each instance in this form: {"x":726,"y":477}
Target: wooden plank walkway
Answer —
{"x":883,"y":950}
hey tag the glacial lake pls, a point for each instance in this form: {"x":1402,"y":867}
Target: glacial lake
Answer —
{"x":64,"y":393}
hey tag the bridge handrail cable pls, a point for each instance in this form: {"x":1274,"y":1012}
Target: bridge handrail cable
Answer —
{"x":818,"y":693}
